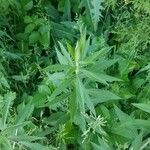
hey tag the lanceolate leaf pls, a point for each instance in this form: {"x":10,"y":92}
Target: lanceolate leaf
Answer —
{"x":5,"y":143}
{"x":80,"y":95}
{"x":93,"y":9}
{"x":62,"y":87}
{"x":102,"y":78}
{"x":61,"y":58}
{"x":129,"y":131}
{"x":97,"y":147}
{"x":137,"y":124}
{"x":9,"y":97}
{"x":94,"y":76}
{"x":142,"y":106}
{"x":100,"y":96}
{"x":121,"y":115}
{"x":34,"y":146}
{"x":66,"y":54}
{"x":96,"y":12}
{"x":56,"y":67}
{"x":145,"y":68}
{"x":24,"y":113}
{"x":58,"y":99}
{"x":12,"y":128}
{"x":102,"y":65}
{"x":96,"y":55}
{"x":25,"y":138}
{"x":56,"y":119}
{"x":90,"y":103}
{"x":137,"y":143}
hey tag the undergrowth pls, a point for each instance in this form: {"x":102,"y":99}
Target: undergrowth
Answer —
{"x":74,"y":75}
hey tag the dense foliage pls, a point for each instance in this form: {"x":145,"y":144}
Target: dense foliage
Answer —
{"x":75,"y":74}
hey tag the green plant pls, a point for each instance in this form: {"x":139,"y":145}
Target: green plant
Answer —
{"x":74,"y":74}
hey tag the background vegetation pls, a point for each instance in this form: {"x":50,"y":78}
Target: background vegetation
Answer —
{"x":74,"y":74}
